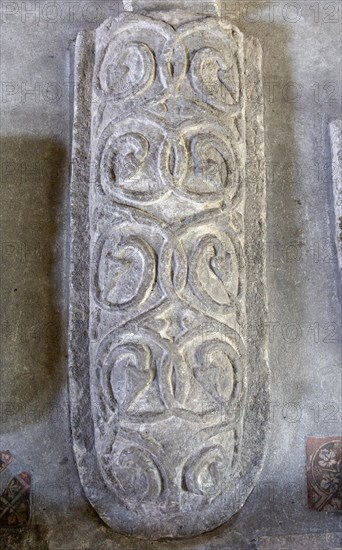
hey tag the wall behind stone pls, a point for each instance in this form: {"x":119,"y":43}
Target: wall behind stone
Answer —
{"x":302,"y":82}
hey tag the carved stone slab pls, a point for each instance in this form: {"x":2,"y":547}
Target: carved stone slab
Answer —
{"x":168,"y":371}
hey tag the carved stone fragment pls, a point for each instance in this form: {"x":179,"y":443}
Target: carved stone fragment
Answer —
{"x":168,"y":370}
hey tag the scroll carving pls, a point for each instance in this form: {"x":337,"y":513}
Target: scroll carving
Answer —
{"x":165,"y":376}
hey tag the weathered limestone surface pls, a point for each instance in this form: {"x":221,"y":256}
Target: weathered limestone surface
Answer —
{"x":336,"y":145}
{"x":168,"y":365}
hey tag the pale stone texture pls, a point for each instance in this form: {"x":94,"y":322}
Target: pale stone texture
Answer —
{"x":303,"y":277}
{"x":169,"y":392}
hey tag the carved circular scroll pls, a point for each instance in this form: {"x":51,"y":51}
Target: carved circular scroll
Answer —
{"x":124,"y":273}
{"x":141,"y":161}
{"x":127,"y":70}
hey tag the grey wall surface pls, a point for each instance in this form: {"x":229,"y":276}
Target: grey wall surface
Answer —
{"x":301,"y":41}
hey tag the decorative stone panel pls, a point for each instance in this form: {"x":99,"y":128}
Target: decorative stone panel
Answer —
{"x":168,"y":371}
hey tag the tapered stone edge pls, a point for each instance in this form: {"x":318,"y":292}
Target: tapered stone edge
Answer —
{"x":257,"y":404}
{"x":336,"y":150}
{"x":79,"y":382}
{"x":256,"y":423}
{"x":79,"y":390}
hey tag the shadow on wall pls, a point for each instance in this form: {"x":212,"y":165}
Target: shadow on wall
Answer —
{"x":32,"y":348}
